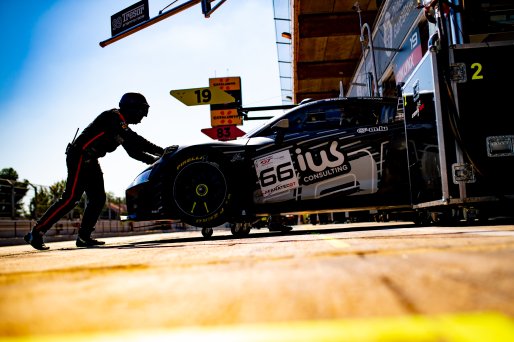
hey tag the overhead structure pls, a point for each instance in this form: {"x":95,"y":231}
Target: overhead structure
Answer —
{"x":326,"y":46}
{"x":207,"y":10}
{"x":283,"y":38}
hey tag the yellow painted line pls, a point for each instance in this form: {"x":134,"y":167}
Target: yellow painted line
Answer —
{"x":471,"y":327}
{"x":335,"y":242}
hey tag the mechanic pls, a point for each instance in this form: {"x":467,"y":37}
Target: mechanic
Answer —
{"x":108,"y":131}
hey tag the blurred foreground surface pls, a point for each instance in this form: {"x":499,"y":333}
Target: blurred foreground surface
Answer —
{"x":353,"y":282}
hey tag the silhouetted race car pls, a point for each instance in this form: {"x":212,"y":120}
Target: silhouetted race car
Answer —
{"x":327,"y":155}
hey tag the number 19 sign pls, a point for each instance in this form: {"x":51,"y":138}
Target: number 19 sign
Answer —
{"x":202,"y":96}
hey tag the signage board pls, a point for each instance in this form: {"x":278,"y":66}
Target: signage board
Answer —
{"x":227,"y":114}
{"x":202,"y":96}
{"x":129,"y":17}
{"x":229,"y":132}
{"x":392,"y":27}
{"x":409,"y":56}
{"x":226,"y":83}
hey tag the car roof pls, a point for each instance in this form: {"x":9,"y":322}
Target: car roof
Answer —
{"x":312,"y":103}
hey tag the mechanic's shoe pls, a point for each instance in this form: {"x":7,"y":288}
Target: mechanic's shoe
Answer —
{"x":278,"y":227}
{"x":88,"y":242}
{"x":35,"y":239}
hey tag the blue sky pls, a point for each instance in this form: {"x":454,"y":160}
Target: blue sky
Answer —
{"x":55,"y":77}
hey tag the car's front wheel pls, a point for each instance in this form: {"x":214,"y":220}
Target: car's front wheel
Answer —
{"x":201,"y":193}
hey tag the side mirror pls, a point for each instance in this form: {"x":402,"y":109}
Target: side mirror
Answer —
{"x":280,"y":128}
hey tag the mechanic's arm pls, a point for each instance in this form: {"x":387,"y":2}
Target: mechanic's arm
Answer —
{"x":141,"y":149}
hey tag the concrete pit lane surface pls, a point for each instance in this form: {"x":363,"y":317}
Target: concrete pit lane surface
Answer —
{"x":353,"y":282}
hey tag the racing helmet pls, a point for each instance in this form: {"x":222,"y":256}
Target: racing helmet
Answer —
{"x":134,"y":106}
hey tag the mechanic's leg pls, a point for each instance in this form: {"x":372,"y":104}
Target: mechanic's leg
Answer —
{"x":69,"y":199}
{"x":95,"y":193}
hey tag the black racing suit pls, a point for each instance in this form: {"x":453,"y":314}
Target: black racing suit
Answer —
{"x":108,"y":131}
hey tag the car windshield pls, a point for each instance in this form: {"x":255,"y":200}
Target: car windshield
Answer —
{"x":265,"y":124}
{"x":251,"y":132}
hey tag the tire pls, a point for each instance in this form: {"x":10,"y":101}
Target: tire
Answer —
{"x":240,"y":229}
{"x":201,"y":192}
{"x":207,"y":232}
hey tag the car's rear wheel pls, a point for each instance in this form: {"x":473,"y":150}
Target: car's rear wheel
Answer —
{"x":201,"y":193}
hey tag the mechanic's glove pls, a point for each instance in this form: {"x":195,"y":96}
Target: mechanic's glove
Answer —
{"x":149,"y":159}
{"x":170,"y":149}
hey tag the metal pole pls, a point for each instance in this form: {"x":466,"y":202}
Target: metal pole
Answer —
{"x":35,"y":199}
{"x":249,"y":109}
{"x":370,"y":45}
{"x":13,"y":211}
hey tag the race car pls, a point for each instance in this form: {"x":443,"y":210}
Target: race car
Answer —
{"x":326,"y":155}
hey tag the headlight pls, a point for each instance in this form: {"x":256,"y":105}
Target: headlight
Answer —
{"x":142,"y":178}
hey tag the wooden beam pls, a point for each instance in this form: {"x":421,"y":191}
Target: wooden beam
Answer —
{"x":333,"y":24}
{"x":325,"y":69}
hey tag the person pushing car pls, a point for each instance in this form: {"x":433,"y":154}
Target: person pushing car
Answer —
{"x":109,"y":130}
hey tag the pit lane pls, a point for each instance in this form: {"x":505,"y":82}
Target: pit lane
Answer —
{"x":268,"y":286}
